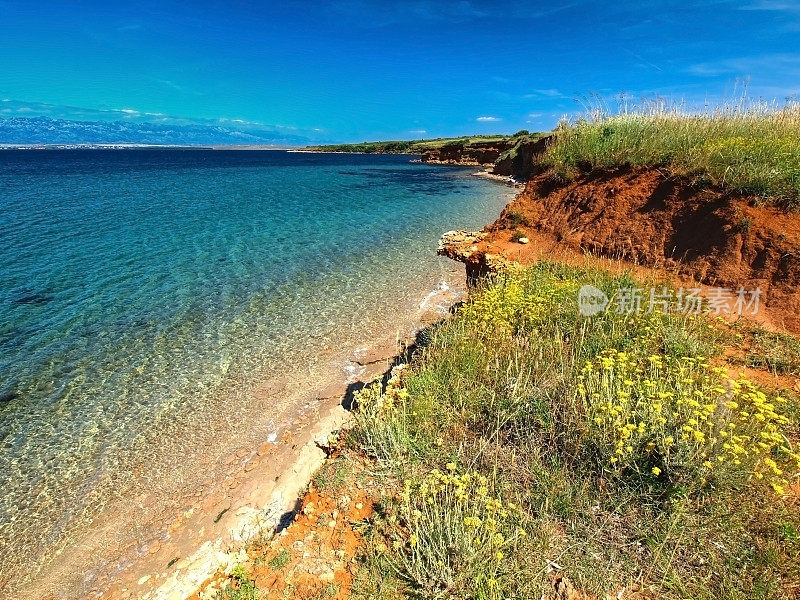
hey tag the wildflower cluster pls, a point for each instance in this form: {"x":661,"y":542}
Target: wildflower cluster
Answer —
{"x":450,"y":529}
{"x":381,"y":416}
{"x":508,"y":307}
{"x":374,"y":399}
{"x":683,"y":419}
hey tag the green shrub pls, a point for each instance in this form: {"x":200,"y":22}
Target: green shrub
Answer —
{"x":516,"y":219}
{"x":453,"y":536}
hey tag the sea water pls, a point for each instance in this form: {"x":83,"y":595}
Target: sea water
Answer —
{"x":145,"y":290}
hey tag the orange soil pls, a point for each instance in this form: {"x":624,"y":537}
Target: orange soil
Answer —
{"x":318,"y":548}
{"x":643,"y":217}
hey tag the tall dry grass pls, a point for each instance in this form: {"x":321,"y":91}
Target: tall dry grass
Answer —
{"x":752,"y":148}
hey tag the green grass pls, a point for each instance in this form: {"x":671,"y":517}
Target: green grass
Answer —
{"x":280,"y":560}
{"x":507,"y":439}
{"x":751,"y":149}
{"x":332,"y":477}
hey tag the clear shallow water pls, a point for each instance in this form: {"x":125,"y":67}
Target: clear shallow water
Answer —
{"x":145,"y":291}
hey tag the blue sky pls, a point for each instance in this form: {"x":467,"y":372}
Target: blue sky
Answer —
{"x":356,"y":70}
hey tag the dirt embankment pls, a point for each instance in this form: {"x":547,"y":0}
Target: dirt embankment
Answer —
{"x":522,"y":160}
{"x":645,"y":217}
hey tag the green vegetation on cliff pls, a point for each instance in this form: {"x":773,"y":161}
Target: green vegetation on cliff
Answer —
{"x":415,"y":146}
{"x":754,"y":150}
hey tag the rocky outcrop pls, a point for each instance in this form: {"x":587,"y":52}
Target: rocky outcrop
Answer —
{"x":467,"y":247}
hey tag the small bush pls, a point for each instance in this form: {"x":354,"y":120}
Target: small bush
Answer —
{"x":516,"y":219}
{"x":243,"y":587}
{"x":453,"y":536}
{"x":382,"y":418}
{"x":280,"y":560}
{"x":682,"y":422}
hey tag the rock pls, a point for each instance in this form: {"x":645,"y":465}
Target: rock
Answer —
{"x":375,"y":354}
{"x":327,"y":575}
{"x":143,"y":580}
{"x":333,"y":390}
{"x":265,"y":448}
{"x":523,"y":240}
{"x":181,"y":564}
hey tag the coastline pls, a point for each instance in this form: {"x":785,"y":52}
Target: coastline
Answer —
{"x":268,"y":500}
{"x":504,"y":179}
{"x":262,"y":485}
{"x":195,"y":525}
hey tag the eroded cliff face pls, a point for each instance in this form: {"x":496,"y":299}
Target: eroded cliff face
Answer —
{"x":476,"y":154}
{"x":644,"y":217}
{"x":521,"y":161}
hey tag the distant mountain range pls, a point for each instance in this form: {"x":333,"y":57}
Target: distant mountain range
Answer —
{"x":47,"y":130}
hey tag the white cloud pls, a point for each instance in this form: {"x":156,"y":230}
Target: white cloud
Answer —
{"x":785,"y":64}
{"x":550,"y":93}
{"x":487,"y":119}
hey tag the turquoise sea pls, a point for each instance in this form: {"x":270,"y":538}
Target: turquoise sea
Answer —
{"x":146,"y":291}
